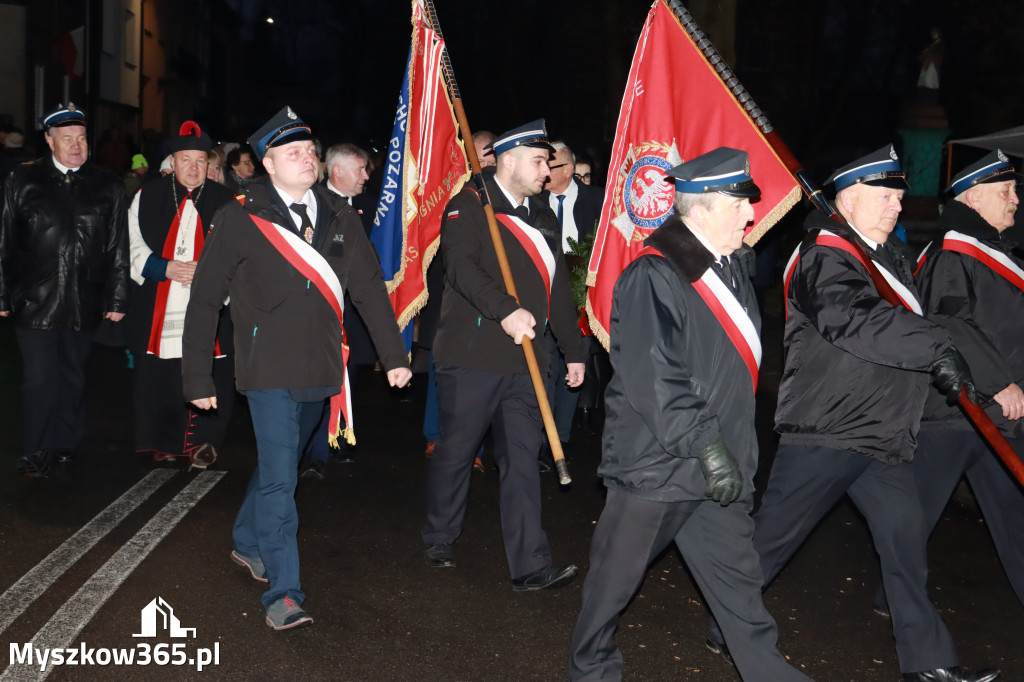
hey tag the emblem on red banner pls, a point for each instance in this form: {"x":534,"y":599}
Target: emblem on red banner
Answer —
{"x":643,"y":200}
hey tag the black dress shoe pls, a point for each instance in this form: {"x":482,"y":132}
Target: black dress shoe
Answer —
{"x":719,"y":648}
{"x":955,"y":674}
{"x":314,"y":470}
{"x":440,"y":556}
{"x":34,"y":465}
{"x":62,"y":455}
{"x":545,"y":578}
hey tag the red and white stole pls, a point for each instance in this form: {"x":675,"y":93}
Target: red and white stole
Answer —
{"x":163,"y":289}
{"x":536,"y":246}
{"x":830,"y":239}
{"x":730,"y":314}
{"x":314,"y":267}
{"x":991,"y":258}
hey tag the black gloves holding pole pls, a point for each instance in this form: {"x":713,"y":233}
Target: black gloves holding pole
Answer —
{"x":950,"y":373}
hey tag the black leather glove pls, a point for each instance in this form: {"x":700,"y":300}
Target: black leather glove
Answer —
{"x":721,"y":472}
{"x":950,"y":373}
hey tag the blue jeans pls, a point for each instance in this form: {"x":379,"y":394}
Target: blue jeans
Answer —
{"x":268,"y":521}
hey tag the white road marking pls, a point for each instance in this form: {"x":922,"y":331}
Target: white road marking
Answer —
{"x":21,"y":594}
{"x":65,"y":625}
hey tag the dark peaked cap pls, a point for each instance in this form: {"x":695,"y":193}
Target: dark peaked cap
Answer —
{"x":723,"y":170}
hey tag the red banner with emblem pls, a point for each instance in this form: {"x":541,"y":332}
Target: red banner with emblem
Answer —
{"x":681,"y":101}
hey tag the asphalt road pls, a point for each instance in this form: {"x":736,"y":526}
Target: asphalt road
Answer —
{"x":381,"y":613}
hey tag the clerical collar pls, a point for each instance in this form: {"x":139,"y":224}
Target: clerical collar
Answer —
{"x":870,"y":242}
{"x":61,"y":167}
{"x":511,"y":199}
{"x":707,"y":245}
{"x":309,"y":199}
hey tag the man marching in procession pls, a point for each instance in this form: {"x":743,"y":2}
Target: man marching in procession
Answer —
{"x":972,"y":284}
{"x":482,"y":378}
{"x":168,"y":223}
{"x":680,"y":450}
{"x":285,"y":257}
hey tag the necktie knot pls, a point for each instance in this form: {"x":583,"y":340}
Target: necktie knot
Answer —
{"x":523,"y":212}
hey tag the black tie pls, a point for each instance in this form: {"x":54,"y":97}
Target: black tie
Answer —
{"x":725,"y":266}
{"x":306,"y":228}
{"x":523,"y":212}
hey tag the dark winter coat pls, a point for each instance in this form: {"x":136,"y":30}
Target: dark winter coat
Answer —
{"x":475,"y":300}
{"x":286,"y":333}
{"x":63,"y":246}
{"x":856,"y":373}
{"x":983,"y":312}
{"x":679,"y":382}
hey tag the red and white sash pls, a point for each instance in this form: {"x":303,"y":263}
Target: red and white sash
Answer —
{"x":832,"y":240}
{"x":991,"y":258}
{"x":730,"y":314}
{"x":315,"y":268}
{"x":535,"y":245}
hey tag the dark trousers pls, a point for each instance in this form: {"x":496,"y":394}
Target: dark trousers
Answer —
{"x":164,"y":422}
{"x":268,"y":521}
{"x":561,"y":398}
{"x":942,"y":458}
{"x":469,"y":401}
{"x":715,"y":542}
{"x":52,"y":386}
{"x":805,"y":483}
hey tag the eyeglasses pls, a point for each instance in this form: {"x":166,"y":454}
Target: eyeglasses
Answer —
{"x":584,"y":176}
{"x":557,"y":165}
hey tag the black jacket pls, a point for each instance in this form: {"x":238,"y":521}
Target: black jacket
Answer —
{"x":475,"y":301}
{"x":586,"y":211}
{"x":983,"y":312}
{"x":679,"y":382}
{"x":286,"y":334}
{"x":63,"y":246}
{"x":856,"y":372}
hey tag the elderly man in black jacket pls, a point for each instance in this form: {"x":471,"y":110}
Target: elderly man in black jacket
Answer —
{"x":850,"y":402}
{"x":482,"y":377}
{"x":972,"y":284}
{"x":63,"y":269}
{"x":285,"y":257}
{"x":680,"y":449}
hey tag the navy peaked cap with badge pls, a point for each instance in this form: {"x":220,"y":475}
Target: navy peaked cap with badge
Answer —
{"x":64,"y":115}
{"x":880,"y":168}
{"x":190,"y":138}
{"x":993,"y":167}
{"x":284,"y":127}
{"x":723,"y":170}
{"x":533,"y":134}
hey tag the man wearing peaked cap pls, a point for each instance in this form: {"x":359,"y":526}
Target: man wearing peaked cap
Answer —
{"x":852,"y":392}
{"x":63,"y":269}
{"x":286,"y":257}
{"x":972,"y":283}
{"x":481,"y":373}
{"x":680,"y":450}
{"x":169,"y":222}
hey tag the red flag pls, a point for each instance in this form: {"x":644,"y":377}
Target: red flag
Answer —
{"x":425,"y":167}
{"x":681,"y":101}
